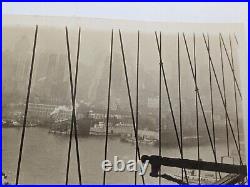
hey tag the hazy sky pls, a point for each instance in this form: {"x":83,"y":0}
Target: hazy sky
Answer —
{"x":170,"y":12}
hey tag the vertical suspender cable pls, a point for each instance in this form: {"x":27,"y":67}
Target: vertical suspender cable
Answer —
{"x":130,"y":100}
{"x":137,"y":95}
{"x":218,"y":85}
{"x":108,"y":108}
{"x":199,"y":97}
{"x":230,"y":64}
{"x":211,"y":99}
{"x":170,"y":103}
{"x":179,"y":95}
{"x":235,"y":95}
{"x":225,"y":97}
{"x":73,"y":118}
{"x":26,"y":108}
{"x":197,"y":110}
{"x":159,"y":148}
{"x":75,"y":125}
{"x":235,"y":37}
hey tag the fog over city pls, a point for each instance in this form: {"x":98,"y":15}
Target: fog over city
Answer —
{"x":50,"y":102}
{"x":51,"y":77}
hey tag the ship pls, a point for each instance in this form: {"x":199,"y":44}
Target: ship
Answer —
{"x":141,"y":140}
{"x":63,"y":126}
{"x":145,"y":137}
{"x":99,"y":129}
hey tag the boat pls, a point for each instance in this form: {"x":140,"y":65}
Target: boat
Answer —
{"x":99,"y":129}
{"x":10,"y":123}
{"x":62,"y":127}
{"x":146,"y":140}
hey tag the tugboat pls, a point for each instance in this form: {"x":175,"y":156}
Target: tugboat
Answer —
{"x":98,"y":129}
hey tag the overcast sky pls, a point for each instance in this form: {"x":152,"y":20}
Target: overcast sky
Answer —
{"x":170,"y":12}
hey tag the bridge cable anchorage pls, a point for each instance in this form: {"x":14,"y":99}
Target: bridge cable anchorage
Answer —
{"x":211,"y":100}
{"x":235,"y":95}
{"x":26,"y":107}
{"x":179,"y":95}
{"x":130,"y":100}
{"x":199,"y":97}
{"x":160,"y":78}
{"x":225,"y":98}
{"x":221,"y":95}
{"x":230,"y":64}
{"x":170,"y":103}
{"x":108,"y":107}
{"x":137,"y":95}
{"x":73,"y":97}
{"x":196,"y":110}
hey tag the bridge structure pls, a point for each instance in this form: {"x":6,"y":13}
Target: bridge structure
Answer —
{"x":234,"y":173}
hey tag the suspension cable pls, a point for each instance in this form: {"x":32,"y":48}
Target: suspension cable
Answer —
{"x":26,"y":107}
{"x":137,"y":96}
{"x":235,"y":37}
{"x":211,"y":99}
{"x":199,"y":97}
{"x":159,"y":148}
{"x":225,"y":98}
{"x":170,"y":103}
{"x":179,"y":95}
{"x":235,"y":95}
{"x":73,"y":97}
{"x":230,"y":63}
{"x":130,"y":100}
{"x":108,"y":108}
{"x":218,"y":85}
{"x":197,"y":111}
{"x":76,"y":134}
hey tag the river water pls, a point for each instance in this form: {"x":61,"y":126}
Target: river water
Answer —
{"x":45,"y":156}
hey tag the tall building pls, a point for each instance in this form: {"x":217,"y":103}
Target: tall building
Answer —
{"x":118,"y":86}
{"x":42,"y":64}
{"x":51,"y":82}
{"x":62,"y":67}
{"x":6,"y":65}
{"x":62,"y":84}
{"x":20,"y":68}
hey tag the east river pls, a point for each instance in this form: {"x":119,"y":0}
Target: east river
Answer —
{"x":45,"y":156}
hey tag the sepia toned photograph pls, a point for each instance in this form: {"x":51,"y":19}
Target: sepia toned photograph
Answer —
{"x":124,"y":93}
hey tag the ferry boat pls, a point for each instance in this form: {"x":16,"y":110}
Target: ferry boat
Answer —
{"x":141,"y":140}
{"x":144,"y":137}
{"x":99,"y":129}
